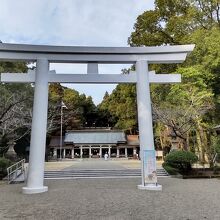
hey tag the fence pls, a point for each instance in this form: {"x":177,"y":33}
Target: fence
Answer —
{"x":15,"y":170}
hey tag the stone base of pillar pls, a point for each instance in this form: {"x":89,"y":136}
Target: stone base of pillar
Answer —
{"x":28,"y":190}
{"x":153,"y":187}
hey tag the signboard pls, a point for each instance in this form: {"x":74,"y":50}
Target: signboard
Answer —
{"x":149,"y":163}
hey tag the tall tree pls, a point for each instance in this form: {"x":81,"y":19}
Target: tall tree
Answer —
{"x":15,"y":107}
{"x":121,"y":104}
{"x":189,"y":108}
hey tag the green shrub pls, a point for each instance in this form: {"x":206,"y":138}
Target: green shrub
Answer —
{"x":181,"y":160}
{"x":169,"y":169}
{"x":4,"y":163}
{"x":216,"y":169}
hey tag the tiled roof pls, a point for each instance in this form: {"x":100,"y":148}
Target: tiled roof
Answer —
{"x":95,"y":137}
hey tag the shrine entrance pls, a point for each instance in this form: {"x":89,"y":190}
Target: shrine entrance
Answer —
{"x":141,"y":57}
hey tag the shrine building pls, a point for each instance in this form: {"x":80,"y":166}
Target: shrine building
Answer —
{"x":94,"y":143}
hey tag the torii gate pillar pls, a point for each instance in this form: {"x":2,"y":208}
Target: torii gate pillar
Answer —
{"x":145,"y":122}
{"x":35,"y":179}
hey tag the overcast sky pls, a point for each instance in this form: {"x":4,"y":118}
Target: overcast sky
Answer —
{"x":72,"y":22}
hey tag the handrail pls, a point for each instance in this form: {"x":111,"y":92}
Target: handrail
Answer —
{"x":15,"y":170}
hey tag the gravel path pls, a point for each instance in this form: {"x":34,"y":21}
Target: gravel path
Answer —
{"x":114,"y":199}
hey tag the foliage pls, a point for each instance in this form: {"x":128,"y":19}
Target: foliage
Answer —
{"x":173,"y":20}
{"x":215,"y":142}
{"x":188,"y":106}
{"x":216,"y":169}
{"x":121,"y":104}
{"x":15,"y":107}
{"x":19,"y":67}
{"x":80,"y":111}
{"x":72,"y":113}
{"x":187,"y":110}
{"x":181,"y":160}
{"x":4,"y":164}
{"x":171,"y":170}
{"x":185,"y":104}
{"x":214,"y":147}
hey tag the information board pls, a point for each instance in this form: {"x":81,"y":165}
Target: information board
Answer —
{"x":149,"y":163}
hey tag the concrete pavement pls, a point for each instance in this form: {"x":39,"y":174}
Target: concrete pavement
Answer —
{"x":114,"y":199}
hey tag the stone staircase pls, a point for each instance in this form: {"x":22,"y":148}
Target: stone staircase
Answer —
{"x":99,"y":173}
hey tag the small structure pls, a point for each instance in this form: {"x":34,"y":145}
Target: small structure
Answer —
{"x":175,"y":142}
{"x":11,"y":154}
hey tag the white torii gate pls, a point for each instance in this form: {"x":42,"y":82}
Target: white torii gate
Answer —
{"x":43,"y":55}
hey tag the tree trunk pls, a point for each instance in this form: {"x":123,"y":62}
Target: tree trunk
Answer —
{"x":187,"y":139}
{"x":161,"y":141}
{"x":200,"y":143}
{"x":185,"y":144}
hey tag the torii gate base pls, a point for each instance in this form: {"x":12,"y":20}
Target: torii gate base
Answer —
{"x":28,"y":190}
{"x":153,"y":187}
{"x":43,"y":55}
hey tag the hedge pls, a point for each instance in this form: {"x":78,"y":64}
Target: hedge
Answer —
{"x":181,"y":160}
{"x":169,"y":169}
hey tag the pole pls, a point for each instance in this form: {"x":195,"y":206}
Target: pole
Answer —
{"x":61,"y":130}
{"x":35,"y":177}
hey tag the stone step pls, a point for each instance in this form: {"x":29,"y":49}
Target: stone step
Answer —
{"x":99,"y":173}
{"x":96,"y":173}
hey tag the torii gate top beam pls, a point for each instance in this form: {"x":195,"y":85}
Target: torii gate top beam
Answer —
{"x":70,"y":54}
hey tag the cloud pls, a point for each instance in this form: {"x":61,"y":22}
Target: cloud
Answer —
{"x":71,"y":22}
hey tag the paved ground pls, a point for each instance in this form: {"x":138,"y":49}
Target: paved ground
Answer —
{"x":59,"y":165}
{"x":113,"y":199}
{"x":99,"y":164}
{"x":95,"y":164}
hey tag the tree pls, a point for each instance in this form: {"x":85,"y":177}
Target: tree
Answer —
{"x":80,"y":112}
{"x":15,"y":107}
{"x":188,"y":109}
{"x":185,"y":106}
{"x":121,"y":104}
{"x":173,"y":20}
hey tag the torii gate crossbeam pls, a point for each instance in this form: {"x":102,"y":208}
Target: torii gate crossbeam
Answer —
{"x":43,"y":55}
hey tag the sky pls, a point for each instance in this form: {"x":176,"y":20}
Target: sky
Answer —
{"x":73,"y":23}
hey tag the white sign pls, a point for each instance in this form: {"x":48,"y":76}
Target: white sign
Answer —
{"x":150,"y":175}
